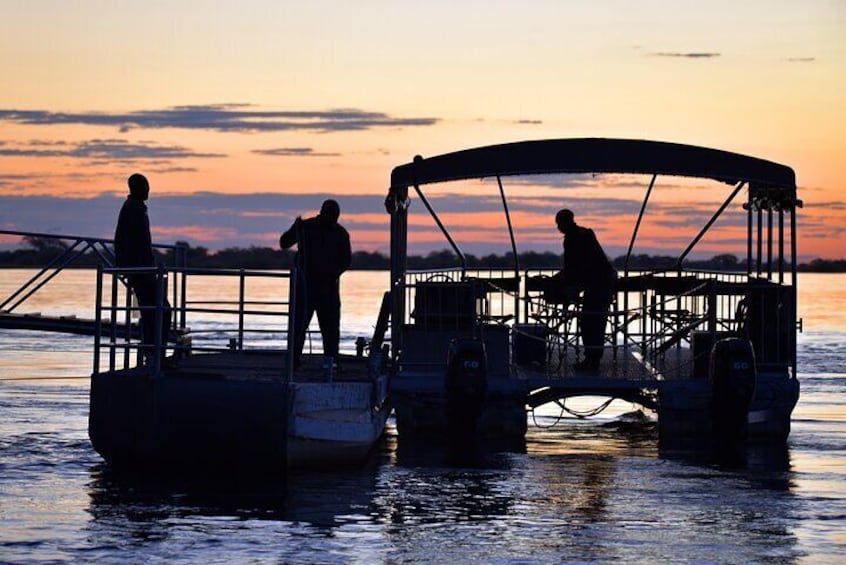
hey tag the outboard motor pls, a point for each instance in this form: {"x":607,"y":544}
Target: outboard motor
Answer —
{"x":466,"y":385}
{"x":732,"y":377}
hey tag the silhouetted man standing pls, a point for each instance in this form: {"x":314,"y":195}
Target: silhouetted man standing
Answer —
{"x":134,"y":248}
{"x":323,"y":254}
{"x":587,"y":268}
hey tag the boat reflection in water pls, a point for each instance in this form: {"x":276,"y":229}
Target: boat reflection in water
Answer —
{"x":584,"y":491}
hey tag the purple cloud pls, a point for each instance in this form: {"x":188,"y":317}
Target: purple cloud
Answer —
{"x":221,"y":117}
{"x":294,"y":152}
{"x":103,"y":149}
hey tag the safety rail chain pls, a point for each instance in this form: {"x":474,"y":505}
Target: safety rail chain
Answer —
{"x":116,"y":337}
{"x":650,"y":320}
{"x":70,"y":253}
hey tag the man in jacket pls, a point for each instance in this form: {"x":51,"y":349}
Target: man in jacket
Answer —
{"x":323,"y":254}
{"x":587,"y":268}
{"x":134,"y":248}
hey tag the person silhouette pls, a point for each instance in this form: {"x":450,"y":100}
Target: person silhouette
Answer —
{"x":323,"y":254}
{"x":586,"y":268}
{"x":134,"y":248}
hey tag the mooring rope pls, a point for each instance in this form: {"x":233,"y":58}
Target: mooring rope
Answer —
{"x":580,"y":415}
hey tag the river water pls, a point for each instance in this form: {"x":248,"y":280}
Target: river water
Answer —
{"x":598,"y":490}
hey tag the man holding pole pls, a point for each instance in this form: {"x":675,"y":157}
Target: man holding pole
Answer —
{"x":323,"y":254}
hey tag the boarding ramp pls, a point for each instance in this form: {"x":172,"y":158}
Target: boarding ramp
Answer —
{"x":73,"y":251}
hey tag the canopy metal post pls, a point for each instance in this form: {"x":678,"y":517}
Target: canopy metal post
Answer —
{"x":794,"y":279}
{"x":513,"y":245}
{"x":770,"y":243}
{"x":442,"y":228}
{"x":629,"y":253}
{"x":709,"y":224}
{"x":760,"y":243}
{"x":749,"y":220}
{"x":637,"y":224}
{"x":396,"y":204}
{"x":780,"y":245}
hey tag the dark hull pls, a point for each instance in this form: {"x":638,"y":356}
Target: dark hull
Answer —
{"x":137,"y":421}
{"x":235,"y":412}
{"x":684,"y":408}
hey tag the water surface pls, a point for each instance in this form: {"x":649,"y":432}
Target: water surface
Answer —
{"x":600,"y":490}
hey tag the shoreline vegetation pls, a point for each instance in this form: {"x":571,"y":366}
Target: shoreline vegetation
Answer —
{"x":38,"y":252}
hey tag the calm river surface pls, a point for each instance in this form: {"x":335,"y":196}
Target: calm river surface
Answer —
{"x":598,"y":490}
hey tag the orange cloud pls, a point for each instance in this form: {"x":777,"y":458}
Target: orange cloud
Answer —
{"x":202,"y":234}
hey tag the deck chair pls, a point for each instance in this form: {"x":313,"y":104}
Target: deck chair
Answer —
{"x":557,"y":308}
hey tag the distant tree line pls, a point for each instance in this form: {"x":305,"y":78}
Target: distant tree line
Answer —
{"x":824,"y":266}
{"x":38,"y":252}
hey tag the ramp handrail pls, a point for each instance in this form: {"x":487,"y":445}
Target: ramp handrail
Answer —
{"x":69,"y":254}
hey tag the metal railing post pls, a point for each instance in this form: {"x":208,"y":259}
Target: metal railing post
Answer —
{"x":241,"y":292}
{"x":292,"y":328}
{"x":182,"y":254}
{"x":98,"y":316}
{"x":157,"y":342}
{"x":127,"y":321}
{"x":712,"y":310}
{"x":113,"y":313}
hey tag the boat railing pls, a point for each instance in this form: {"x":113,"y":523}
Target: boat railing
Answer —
{"x":228,"y":318}
{"x":443,"y":304}
{"x":494,"y":289}
{"x":652,"y":314}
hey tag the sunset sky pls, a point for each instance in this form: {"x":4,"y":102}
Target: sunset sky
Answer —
{"x":245,"y":114}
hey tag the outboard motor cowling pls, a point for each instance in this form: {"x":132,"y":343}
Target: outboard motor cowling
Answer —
{"x":732,"y":377}
{"x":466,"y":385}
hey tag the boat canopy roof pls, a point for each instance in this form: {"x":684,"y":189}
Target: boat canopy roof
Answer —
{"x":594,"y":155}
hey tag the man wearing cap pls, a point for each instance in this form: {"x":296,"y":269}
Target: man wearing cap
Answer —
{"x":587,"y":268}
{"x":323,"y":254}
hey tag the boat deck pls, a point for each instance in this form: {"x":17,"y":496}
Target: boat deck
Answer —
{"x":620,"y":364}
{"x":624,"y":372}
{"x":263,"y":366}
